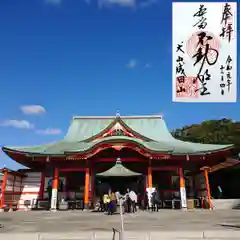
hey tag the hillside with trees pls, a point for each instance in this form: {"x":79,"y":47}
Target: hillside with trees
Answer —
{"x":223,"y":131}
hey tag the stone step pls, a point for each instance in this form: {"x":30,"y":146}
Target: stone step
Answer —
{"x":176,"y":235}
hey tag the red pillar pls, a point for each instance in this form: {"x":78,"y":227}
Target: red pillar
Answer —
{"x":150,"y":174}
{"x":208,"y":188}
{"x":42,"y":186}
{"x":182,"y":189}
{"x":86,"y":189}
{"x":4,"y":184}
{"x":92,"y":183}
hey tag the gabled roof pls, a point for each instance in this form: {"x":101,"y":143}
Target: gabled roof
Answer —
{"x":151,"y":127}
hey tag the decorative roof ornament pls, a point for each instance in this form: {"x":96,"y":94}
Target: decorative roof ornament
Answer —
{"x":118,"y":113}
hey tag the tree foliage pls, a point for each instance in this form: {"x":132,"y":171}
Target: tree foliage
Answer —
{"x":223,"y":131}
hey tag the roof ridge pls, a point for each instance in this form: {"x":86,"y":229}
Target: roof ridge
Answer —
{"x":122,"y":117}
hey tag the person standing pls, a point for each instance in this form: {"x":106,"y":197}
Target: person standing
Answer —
{"x":133,"y":197}
{"x":146,"y":201}
{"x":220,"y":192}
{"x":113,"y":201}
{"x":155,"y":201}
{"x":118,"y":195}
{"x":106,"y":201}
{"x":128,"y":201}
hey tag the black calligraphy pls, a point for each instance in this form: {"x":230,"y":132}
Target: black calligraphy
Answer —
{"x":201,"y":14}
{"x":229,"y":72}
{"x":222,"y":82}
{"x":226,"y":75}
{"x":226,"y":22}
{"x":179,"y":68}
{"x":226,"y":14}
{"x":203,"y":78}
{"x":179,"y":47}
{"x":204,"y":54}
{"x":180,"y":72}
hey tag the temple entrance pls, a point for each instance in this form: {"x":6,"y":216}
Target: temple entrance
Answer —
{"x":71,"y":196}
{"x":119,"y":178}
{"x":120,"y":184}
{"x":74,"y":185}
{"x":167,"y":183}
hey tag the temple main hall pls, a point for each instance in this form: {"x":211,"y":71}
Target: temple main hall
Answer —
{"x":117,"y":152}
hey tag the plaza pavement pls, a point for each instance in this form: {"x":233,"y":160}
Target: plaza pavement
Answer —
{"x":81,"y":225}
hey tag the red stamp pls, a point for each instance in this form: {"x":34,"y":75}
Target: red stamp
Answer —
{"x":193,"y":45}
{"x":187,"y":87}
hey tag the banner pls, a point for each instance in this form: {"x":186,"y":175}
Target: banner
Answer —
{"x":204,"y":52}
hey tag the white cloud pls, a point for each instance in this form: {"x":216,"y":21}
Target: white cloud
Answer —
{"x":147,"y":3}
{"x":23,"y":124}
{"x":54,"y":2}
{"x":147,"y":65}
{"x":33,"y":109}
{"x":122,"y":3}
{"x":132,"y":63}
{"x":49,"y":131}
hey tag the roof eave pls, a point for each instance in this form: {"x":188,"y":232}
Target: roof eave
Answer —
{"x":170,"y":152}
{"x":208,"y":152}
{"x":31,"y":154}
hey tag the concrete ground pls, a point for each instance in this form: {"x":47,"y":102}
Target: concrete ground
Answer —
{"x":164,"y":220}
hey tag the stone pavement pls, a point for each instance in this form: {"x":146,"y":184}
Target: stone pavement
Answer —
{"x":166,"y":224}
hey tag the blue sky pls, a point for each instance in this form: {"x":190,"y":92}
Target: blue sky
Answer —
{"x":76,"y":57}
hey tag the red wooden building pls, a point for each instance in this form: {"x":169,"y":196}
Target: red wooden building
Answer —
{"x":92,"y":145}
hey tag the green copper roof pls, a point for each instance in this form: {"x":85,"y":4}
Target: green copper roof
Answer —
{"x":118,"y":170}
{"x":84,"y":128}
{"x":150,"y":127}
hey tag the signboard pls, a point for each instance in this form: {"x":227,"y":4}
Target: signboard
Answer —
{"x":204,"y":52}
{"x":54,"y":199}
{"x":183,"y":197}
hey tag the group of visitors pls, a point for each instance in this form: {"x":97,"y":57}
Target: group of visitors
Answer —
{"x":110,"y":200}
{"x":129,"y":201}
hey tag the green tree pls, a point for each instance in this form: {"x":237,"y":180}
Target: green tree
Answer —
{"x":223,"y":131}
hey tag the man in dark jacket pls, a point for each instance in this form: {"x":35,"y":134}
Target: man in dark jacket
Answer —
{"x":156,"y":202}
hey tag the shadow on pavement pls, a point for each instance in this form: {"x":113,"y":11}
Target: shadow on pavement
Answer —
{"x":230,"y":226}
